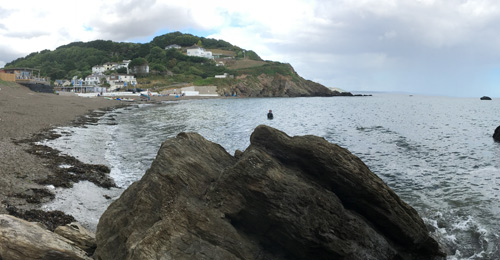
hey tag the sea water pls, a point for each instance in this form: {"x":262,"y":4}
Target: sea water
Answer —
{"x":436,"y":153}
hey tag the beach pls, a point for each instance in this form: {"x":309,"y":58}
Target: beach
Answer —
{"x":23,"y":115}
{"x":27,"y":116}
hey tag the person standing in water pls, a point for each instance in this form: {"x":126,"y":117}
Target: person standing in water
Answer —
{"x":270,"y":115}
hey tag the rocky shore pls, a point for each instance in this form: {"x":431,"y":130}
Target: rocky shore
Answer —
{"x":26,"y":116}
{"x":282,"y":198}
{"x":26,"y":169}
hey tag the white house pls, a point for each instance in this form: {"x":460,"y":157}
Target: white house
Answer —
{"x":121,"y":81}
{"x":123,"y":64}
{"x":93,"y":79}
{"x":199,"y":52}
{"x":100,"y":69}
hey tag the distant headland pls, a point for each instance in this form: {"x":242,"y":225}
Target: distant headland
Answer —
{"x":168,"y":62}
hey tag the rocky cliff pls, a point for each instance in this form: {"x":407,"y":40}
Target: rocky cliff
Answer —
{"x":282,"y":198}
{"x":285,"y":84}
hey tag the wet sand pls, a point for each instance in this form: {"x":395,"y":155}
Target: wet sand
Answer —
{"x":23,"y":115}
{"x":30,"y":174}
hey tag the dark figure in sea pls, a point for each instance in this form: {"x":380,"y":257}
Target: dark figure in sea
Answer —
{"x":270,"y":115}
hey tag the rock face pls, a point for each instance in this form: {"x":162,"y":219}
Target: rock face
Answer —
{"x":282,"y":198}
{"x":22,"y":240}
{"x":278,"y":85}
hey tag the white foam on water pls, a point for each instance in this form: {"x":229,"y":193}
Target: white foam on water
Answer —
{"x":85,"y":202}
{"x":453,"y":236}
{"x":87,"y":144}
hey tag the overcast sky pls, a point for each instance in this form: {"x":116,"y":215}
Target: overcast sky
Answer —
{"x":445,"y":47}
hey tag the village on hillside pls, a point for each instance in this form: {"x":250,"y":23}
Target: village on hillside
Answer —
{"x":105,"y":78}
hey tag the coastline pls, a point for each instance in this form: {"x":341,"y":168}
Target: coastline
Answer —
{"x":30,"y":174}
{"x":27,"y":117}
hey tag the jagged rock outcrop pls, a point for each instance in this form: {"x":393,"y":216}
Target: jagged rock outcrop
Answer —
{"x":282,"y":198}
{"x":22,"y":240}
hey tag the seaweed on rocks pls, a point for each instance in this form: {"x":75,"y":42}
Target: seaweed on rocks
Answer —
{"x":63,"y":171}
{"x":35,"y":195}
{"x":50,"y":219}
{"x":79,"y":171}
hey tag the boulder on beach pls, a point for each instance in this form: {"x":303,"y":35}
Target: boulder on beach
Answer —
{"x":282,"y":198}
{"x":22,"y":240}
{"x":485,"y":98}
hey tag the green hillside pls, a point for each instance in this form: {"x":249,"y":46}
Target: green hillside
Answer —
{"x":78,"y":58}
{"x":252,"y":77}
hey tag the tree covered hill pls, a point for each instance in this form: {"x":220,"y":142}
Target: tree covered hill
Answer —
{"x":78,"y":58}
{"x":173,"y":66}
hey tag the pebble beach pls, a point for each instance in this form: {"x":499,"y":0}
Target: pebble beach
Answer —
{"x":27,"y":117}
{"x":23,"y":115}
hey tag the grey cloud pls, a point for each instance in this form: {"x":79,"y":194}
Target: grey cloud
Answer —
{"x":26,"y":34}
{"x":144,"y":20}
{"x":129,"y":6}
{"x":427,"y":50}
{"x":7,"y":54}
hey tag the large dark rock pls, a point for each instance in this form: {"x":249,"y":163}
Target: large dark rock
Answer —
{"x":283,"y":198}
{"x":496,"y":135}
{"x":485,"y":98}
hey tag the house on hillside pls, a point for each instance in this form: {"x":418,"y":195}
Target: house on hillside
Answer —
{"x":117,"y":81}
{"x":198,"y":51}
{"x":109,"y":66}
{"x":172,"y":46}
{"x":123,"y":64}
{"x":93,"y":79}
{"x":100,"y":69}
